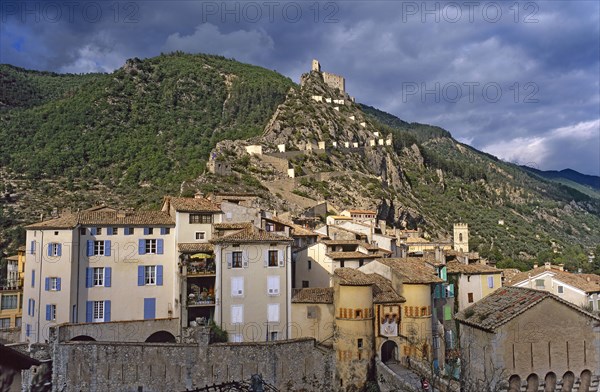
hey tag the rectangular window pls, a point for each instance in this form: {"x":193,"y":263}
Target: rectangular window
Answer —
{"x":201,"y":218}
{"x":98,"y":276}
{"x":98,"y":248}
{"x":359,"y":343}
{"x":150,"y":246}
{"x":309,"y":264}
{"x":470,"y":297}
{"x":148,"y":230}
{"x":4,"y":323}
{"x":98,"y":231}
{"x":539,"y":283}
{"x":51,"y":312}
{"x":165,"y":230}
{"x":113,"y":231}
{"x":54,"y":249}
{"x":273,"y":285}
{"x":561,"y":289}
{"x":490,"y":280}
{"x":305,"y":284}
{"x":237,"y":314}
{"x":150,"y":274}
{"x":32,"y":278}
{"x":200,"y":235}
{"x":274,"y":336}
{"x":236,"y":260}
{"x":270,"y":227}
{"x":237,"y":286}
{"x":9,"y":301}
{"x":98,"y":315}
{"x":83,"y":231}
{"x":54,"y":285}
{"x":273,"y":313}
{"x":273,"y":258}
{"x":447,"y":313}
{"x":129,"y":231}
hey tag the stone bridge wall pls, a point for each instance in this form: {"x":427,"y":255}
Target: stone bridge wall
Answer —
{"x":118,"y":331}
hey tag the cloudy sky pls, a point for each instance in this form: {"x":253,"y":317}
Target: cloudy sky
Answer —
{"x":518,"y":79}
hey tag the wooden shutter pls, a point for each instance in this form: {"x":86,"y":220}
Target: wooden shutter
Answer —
{"x":159,"y":247}
{"x":106,"y":311}
{"x":159,"y":275}
{"x":89,"y":311}
{"x":141,"y":247}
{"x":141,"y":280}
{"x":107,"y":276}
{"x":90,"y":247}
{"x":58,"y":284}
{"x":149,"y":308}
{"x":59,"y":250}
{"x":47,"y":284}
{"x":107,"y":248}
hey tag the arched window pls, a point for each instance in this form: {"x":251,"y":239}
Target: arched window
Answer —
{"x":533,"y":383}
{"x":514,"y":383}
{"x":550,"y":382}
{"x":568,"y":382}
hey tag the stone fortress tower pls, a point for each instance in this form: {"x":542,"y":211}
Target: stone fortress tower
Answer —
{"x":332,"y":80}
{"x":461,"y":237}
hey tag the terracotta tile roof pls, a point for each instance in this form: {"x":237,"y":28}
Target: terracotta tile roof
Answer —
{"x":352,"y":277}
{"x":590,"y":283}
{"x":454,"y":267}
{"x":340,"y":217}
{"x":193,"y":247}
{"x":66,"y":221}
{"x":129,"y":218}
{"x":509,"y":273}
{"x":192,"y":204}
{"x":383,"y":292}
{"x":505,"y":304}
{"x":413,"y":270}
{"x":352,"y":255}
{"x":364,"y":244}
{"x":231,"y":226}
{"x":316,"y":295}
{"x":105,"y":217}
{"x":252,"y":234}
{"x":13,"y":258}
{"x":21,"y":248}
{"x":297,"y":230}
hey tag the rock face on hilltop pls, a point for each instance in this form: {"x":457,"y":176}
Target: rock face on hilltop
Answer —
{"x":149,"y":129}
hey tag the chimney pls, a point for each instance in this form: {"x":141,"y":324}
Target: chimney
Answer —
{"x":535,"y":266}
{"x":587,"y":278}
{"x":561,"y":267}
{"x":198,"y":195}
{"x":547,"y":265}
{"x":121,"y":214}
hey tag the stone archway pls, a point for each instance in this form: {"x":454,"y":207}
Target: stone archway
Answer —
{"x":568,"y":381}
{"x":514,"y":383}
{"x":586,"y":381}
{"x":161,"y":337}
{"x":389,"y":351}
{"x":83,"y":338}
{"x":533,"y":383}
{"x":550,"y":382}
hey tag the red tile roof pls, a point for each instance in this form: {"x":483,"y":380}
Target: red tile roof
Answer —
{"x":192,"y":204}
{"x":413,"y":270}
{"x":252,"y":234}
{"x":314,"y":295}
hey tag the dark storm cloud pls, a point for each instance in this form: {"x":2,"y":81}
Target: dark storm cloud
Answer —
{"x":433,"y":62}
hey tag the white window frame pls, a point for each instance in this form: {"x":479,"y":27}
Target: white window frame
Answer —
{"x":236,"y":282}
{"x":233,"y":320}
{"x":200,"y":235}
{"x":52,"y":312}
{"x":98,"y":312}
{"x":151,"y":246}
{"x":233,"y":262}
{"x":273,"y":285}
{"x":53,"y":283}
{"x":150,"y":275}
{"x":99,"y":248}
{"x":270,"y":313}
{"x":54,"y":249}
{"x":98,"y":277}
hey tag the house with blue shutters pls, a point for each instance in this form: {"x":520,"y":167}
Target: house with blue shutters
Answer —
{"x":99,"y":265}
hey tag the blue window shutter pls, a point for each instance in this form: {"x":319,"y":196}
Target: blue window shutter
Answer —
{"x":48,"y":311}
{"x":140,"y":275}
{"x":93,"y":231}
{"x":88,"y":277}
{"x":159,"y":275}
{"x":109,"y":231}
{"x":29,"y":307}
{"x":32,"y":278}
{"x":58,"y":284}
{"x":107,"y":276}
{"x":33,"y":308}
{"x":149,"y":308}
{"x":90,"y":247}
{"x":106,"y":310}
{"x":59,"y":249}
{"x":27,"y":330}
{"x":89,"y":309}
{"x":47,"y":284}
{"x":146,"y":230}
{"x":32,"y":247}
{"x":163,"y":231}
{"x":142,"y":247}
{"x":49,"y":249}
{"x":126,"y":231}
{"x":107,"y":248}
{"x":159,"y":247}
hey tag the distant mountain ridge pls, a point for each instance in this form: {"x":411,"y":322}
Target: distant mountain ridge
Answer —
{"x":568,"y":174}
{"x":130,"y":137}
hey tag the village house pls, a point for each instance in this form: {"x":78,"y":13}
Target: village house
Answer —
{"x":472,"y":282}
{"x":11,"y":296}
{"x":520,"y":339}
{"x":579,"y":289}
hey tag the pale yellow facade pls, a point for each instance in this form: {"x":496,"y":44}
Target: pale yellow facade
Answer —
{"x":313,"y":320}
